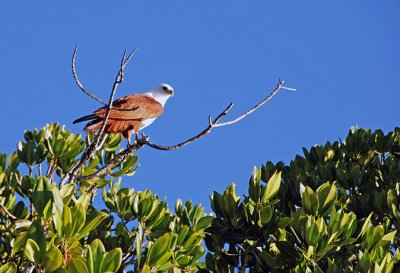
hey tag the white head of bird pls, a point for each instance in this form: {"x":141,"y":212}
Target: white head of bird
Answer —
{"x":161,"y":93}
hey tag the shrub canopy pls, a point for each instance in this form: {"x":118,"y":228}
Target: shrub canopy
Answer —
{"x":335,"y":209}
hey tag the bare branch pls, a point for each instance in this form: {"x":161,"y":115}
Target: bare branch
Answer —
{"x":130,"y":57}
{"x":78,"y":81}
{"x":273,"y":93}
{"x":119,"y":158}
{"x":90,"y":94}
{"x":9,"y":214}
{"x":99,"y":136}
{"x":211,"y":125}
{"x":214,"y":124}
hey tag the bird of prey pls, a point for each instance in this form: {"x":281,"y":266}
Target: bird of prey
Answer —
{"x":131,"y":113}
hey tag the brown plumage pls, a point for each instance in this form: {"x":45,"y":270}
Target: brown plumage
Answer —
{"x":130,"y":113}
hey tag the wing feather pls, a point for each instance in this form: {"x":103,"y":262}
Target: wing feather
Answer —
{"x":143,"y":107}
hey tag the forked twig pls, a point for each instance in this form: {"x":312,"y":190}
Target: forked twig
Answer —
{"x":211,"y":125}
{"x":119,"y":158}
{"x":7,"y":212}
{"x":215,"y":123}
{"x":97,"y":139}
{"x":84,"y":90}
{"x":77,"y":81}
{"x":273,"y":93}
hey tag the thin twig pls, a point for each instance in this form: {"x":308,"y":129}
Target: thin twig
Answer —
{"x":196,"y":137}
{"x":101,"y":142}
{"x":9,"y":214}
{"x":273,"y":93}
{"x":78,"y":81}
{"x":99,"y":136}
{"x":80,"y":85}
{"x":119,"y":158}
{"x":214,"y":124}
{"x":122,"y":156}
{"x":118,"y":79}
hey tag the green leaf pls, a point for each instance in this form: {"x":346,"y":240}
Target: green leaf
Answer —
{"x":126,"y":167}
{"x":8,"y":268}
{"x":272,"y":187}
{"x":365,"y":226}
{"x":77,"y":265}
{"x":26,"y":152}
{"x":288,"y":251}
{"x":145,"y":269}
{"x":32,"y":251}
{"x":20,"y":242}
{"x":36,"y":234}
{"x":182,"y":234}
{"x":53,"y":259}
{"x":284,"y":221}
{"x":61,"y":270}
{"x":78,"y":217}
{"x":389,"y":236}
{"x":92,"y":224}
{"x":254,"y":185}
{"x":332,"y":267}
{"x":310,"y":201}
{"x":326,"y":196}
{"x":264,"y":259}
{"x":365,"y":262}
{"x":84,"y":200}
{"x":265,"y":215}
{"x":158,"y":249}
{"x":95,"y":256}
{"x":57,"y":199}
{"x":204,"y":222}
{"x":111,"y":261}
{"x":162,"y":263}
{"x":67,"y":222}
{"x":42,"y":195}
{"x":312,"y":233}
{"x":67,"y":192}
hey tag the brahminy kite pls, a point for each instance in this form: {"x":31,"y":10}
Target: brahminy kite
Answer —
{"x":131,"y":113}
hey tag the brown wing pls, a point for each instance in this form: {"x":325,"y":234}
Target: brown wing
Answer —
{"x":142,"y":107}
{"x":116,"y":126}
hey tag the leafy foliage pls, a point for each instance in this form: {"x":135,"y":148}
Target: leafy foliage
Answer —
{"x":335,"y":209}
{"x":50,"y":225}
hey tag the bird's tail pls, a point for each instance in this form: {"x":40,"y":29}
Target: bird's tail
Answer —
{"x":93,"y":126}
{"x":88,"y":117}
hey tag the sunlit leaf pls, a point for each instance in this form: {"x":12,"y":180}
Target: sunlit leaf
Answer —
{"x":272,"y":186}
{"x":111,"y":261}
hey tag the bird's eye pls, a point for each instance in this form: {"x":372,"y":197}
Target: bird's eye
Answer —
{"x":165,"y":88}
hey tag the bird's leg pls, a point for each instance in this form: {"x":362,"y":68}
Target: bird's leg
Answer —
{"x":136,"y":137}
{"x":128,"y":138}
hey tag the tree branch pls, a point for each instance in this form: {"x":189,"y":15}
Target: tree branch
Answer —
{"x":9,"y":214}
{"x":77,"y":81}
{"x":273,"y":93}
{"x":214,"y":124}
{"x":211,"y":125}
{"x":96,"y":142}
{"x":118,"y":159}
{"x":144,"y":140}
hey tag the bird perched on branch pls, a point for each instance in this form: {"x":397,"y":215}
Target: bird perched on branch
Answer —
{"x":131,"y":113}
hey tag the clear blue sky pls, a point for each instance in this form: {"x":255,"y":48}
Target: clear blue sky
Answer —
{"x":342,"y":56}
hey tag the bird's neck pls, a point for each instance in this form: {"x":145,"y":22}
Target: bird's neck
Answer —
{"x":161,"y":98}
